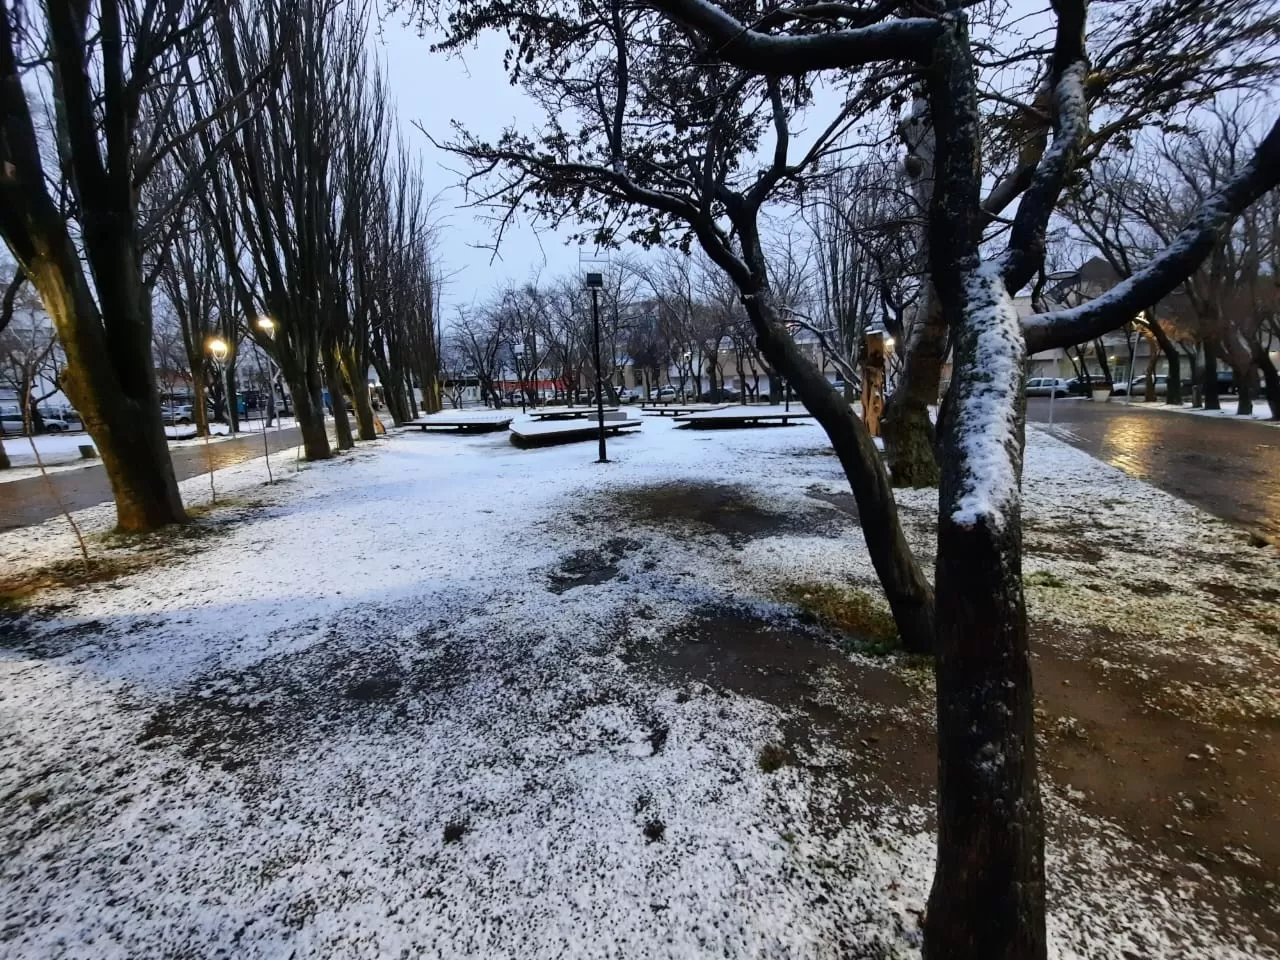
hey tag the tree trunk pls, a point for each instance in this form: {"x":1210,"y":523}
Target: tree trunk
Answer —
{"x":308,"y":404}
{"x":413,"y":401}
{"x":5,"y":464}
{"x":1100,"y":354}
{"x":1209,"y":378}
{"x":338,"y":404}
{"x":1270,"y":378}
{"x":1244,"y":391}
{"x":121,"y":416}
{"x":1173,"y":395}
{"x":988,"y":896}
{"x":393,"y":390}
{"x":909,"y":594}
{"x":199,"y":405}
{"x":233,"y":399}
{"x":430,"y":386}
{"x":364,"y":413}
{"x":1197,"y":397}
{"x":908,"y":432}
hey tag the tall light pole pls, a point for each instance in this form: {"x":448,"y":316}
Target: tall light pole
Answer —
{"x":268,"y":327}
{"x":218,"y":350}
{"x":595,"y":281}
{"x":517,"y":351}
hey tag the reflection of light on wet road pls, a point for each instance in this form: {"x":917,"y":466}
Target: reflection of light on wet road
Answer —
{"x":1132,"y":444}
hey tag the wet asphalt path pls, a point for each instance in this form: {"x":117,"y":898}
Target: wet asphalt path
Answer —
{"x":1226,"y":466}
{"x":26,"y":502}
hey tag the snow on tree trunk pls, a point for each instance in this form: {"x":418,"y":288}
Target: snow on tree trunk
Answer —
{"x":987,"y":901}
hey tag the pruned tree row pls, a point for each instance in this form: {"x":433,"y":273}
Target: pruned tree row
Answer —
{"x":241,"y":161}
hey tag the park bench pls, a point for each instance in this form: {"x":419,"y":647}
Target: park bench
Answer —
{"x":681,"y":409}
{"x":562,"y":431}
{"x":568,"y":413}
{"x":744,"y":417}
{"x":462,"y":423}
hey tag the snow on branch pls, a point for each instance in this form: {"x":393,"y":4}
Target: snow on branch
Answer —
{"x":1026,"y":239}
{"x":986,"y":404}
{"x":1068,"y":71}
{"x":1159,"y":278}
{"x":734,"y":42}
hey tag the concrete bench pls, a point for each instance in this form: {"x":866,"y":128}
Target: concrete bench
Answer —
{"x":546,"y":434}
{"x":570,"y":413}
{"x":461,"y":424}
{"x":744,"y":417}
{"x":682,"y":409}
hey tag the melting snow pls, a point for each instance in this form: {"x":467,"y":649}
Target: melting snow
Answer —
{"x":357,"y":724}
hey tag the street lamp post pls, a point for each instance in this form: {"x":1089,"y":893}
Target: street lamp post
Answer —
{"x":595,"y":281}
{"x":218,"y":349}
{"x":517,"y":351}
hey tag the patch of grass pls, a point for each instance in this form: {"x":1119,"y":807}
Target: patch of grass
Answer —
{"x":18,"y":590}
{"x":205,"y":522}
{"x":857,"y":613}
{"x":772,"y":757}
{"x":126,"y":553}
{"x":1043,"y":578}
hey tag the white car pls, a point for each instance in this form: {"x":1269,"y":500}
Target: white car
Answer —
{"x":1138,"y":386}
{"x":1047,"y":387}
{"x":56,"y":425}
{"x":666,"y":393}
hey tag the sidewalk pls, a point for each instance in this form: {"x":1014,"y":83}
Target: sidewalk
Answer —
{"x":61,"y":451}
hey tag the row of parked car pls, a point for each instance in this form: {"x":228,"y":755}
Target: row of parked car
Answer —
{"x":1076,"y":386}
{"x":11,"y":422}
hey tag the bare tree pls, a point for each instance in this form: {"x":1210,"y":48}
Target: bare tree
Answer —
{"x":30,"y":358}
{"x":593,"y":59}
{"x":83,"y":247}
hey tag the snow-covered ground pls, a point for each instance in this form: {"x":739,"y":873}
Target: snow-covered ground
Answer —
{"x":391,"y":707}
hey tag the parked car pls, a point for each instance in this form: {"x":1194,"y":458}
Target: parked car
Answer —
{"x":720,"y":395}
{"x":1047,"y":387}
{"x":667,"y":393}
{"x":628,"y":395}
{"x":12,"y":423}
{"x":1227,"y":382}
{"x":1138,"y":386}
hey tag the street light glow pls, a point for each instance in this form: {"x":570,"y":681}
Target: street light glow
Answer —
{"x":888,"y":343}
{"x":266,"y":325}
{"x":217,"y":349}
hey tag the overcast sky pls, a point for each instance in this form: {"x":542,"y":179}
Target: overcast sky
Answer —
{"x":433,"y":90}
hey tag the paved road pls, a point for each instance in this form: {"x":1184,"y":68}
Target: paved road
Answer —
{"x":1229,"y":467}
{"x":24,"y":502}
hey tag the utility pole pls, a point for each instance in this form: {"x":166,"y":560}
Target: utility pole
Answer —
{"x":594,"y":282}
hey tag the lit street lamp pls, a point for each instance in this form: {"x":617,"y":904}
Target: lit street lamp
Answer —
{"x":268,"y":327}
{"x":218,"y":351}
